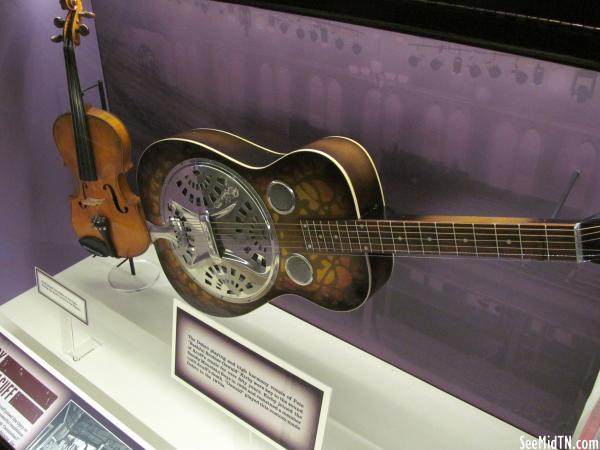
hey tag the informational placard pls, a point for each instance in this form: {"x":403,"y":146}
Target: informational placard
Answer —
{"x":38,"y":411}
{"x":61,"y":295}
{"x":286,"y":406}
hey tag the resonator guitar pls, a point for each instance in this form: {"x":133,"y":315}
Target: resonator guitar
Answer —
{"x":236,"y":225}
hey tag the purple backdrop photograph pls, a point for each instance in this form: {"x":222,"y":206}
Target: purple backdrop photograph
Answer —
{"x":453,"y":130}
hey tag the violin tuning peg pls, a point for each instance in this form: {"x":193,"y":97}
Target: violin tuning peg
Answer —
{"x":57,"y":38}
{"x":88,"y":14}
{"x":83,"y":30}
{"x":59,"y":22}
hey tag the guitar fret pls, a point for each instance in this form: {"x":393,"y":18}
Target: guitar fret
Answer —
{"x":337,"y":224}
{"x":380,"y":237}
{"x":360,"y":246}
{"x":455,"y":240}
{"x":392,"y":235}
{"x":311,"y":245}
{"x":406,"y":237}
{"x":316,"y":235}
{"x":437,"y":238}
{"x":331,"y":234}
{"x":475,"y":241}
{"x":547,"y":242}
{"x":368,"y":237}
{"x":348,"y":233}
{"x":497,"y":245}
{"x":521,"y":241}
{"x":302,"y":228}
{"x":421,"y":234}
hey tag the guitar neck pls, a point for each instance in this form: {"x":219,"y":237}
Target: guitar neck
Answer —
{"x":492,"y":237}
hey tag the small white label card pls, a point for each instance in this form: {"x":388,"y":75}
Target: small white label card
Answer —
{"x":276,"y":400}
{"x":61,"y":295}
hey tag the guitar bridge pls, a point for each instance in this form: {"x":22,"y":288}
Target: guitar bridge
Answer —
{"x":191,"y":235}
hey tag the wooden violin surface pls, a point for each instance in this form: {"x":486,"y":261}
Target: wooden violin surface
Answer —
{"x":110,"y":195}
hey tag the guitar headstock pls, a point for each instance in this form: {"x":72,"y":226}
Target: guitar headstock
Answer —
{"x":589,"y":231}
{"x":72,"y":27}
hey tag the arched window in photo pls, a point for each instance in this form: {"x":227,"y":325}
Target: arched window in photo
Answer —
{"x":457,"y":141}
{"x":497,"y":163}
{"x":316,"y":103}
{"x":334,"y":107}
{"x":392,"y":121}
{"x":371,"y":123}
{"x":266,"y":99}
{"x":526,"y":163}
{"x":433,"y":134}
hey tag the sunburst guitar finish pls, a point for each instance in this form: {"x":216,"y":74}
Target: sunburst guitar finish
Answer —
{"x":332,"y":178}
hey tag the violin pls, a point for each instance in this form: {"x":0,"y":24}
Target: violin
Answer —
{"x":95,"y":145}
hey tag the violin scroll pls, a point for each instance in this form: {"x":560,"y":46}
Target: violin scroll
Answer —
{"x":72,"y":28}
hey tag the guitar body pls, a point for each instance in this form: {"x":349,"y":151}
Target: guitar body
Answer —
{"x":333,"y":177}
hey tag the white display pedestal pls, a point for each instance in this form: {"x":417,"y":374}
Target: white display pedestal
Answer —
{"x":374,"y":405}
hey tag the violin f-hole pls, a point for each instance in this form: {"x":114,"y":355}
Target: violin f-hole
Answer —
{"x":116,"y":200}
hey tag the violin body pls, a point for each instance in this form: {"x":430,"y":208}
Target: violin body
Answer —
{"x":110,"y":195}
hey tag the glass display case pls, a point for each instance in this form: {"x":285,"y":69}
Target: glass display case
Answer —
{"x":415,"y":204}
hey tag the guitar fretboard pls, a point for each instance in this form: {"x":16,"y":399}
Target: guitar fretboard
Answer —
{"x":483,"y":238}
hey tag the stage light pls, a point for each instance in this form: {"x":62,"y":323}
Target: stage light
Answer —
{"x":413,"y":60}
{"x":494,"y":71}
{"x":435,"y":64}
{"x":457,"y":64}
{"x":520,"y":76}
{"x":538,"y":75}
{"x":474,"y":70}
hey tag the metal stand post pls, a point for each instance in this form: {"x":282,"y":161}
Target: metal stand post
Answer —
{"x":566,"y":192}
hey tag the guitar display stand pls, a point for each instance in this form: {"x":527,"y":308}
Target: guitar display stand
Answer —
{"x":134,"y":277}
{"x":566,"y":192}
{"x":146,"y":273}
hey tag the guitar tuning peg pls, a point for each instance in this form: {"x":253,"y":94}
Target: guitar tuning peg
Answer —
{"x":83,"y":30}
{"x":57,"y":38}
{"x":59,"y":22}
{"x":88,"y":14}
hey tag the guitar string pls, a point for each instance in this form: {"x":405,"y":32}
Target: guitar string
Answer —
{"x":394,"y":224}
{"x":343,"y":239}
{"x":425,"y":248}
{"x":569,"y":240}
{"x":363,"y":228}
{"x":381,"y":234}
{"x":404,"y":253}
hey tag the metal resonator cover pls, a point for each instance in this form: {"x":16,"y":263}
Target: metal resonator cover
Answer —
{"x":223,"y":234}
